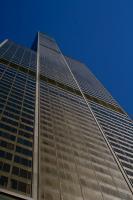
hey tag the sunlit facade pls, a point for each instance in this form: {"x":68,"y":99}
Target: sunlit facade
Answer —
{"x":62,"y":136}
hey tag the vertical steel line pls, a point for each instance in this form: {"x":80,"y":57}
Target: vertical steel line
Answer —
{"x":35,"y":185}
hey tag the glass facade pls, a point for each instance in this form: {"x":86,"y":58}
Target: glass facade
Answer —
{"x":88,"y":82}
{"x":19,"y":55}
{"x":17,"y":105}
{"x":75,"y":121}
{"x":119,"y":132}
{"x":75,"y":162}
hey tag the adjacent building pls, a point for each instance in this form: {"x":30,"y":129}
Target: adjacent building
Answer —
{"x":62,"y":135}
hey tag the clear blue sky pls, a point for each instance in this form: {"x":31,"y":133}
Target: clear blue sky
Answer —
{"x":97,"y":32}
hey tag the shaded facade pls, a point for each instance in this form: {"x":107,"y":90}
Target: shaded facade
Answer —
{"x":63,"y":136}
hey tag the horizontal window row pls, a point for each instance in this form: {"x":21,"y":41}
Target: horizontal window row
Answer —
{"x":121,"y":152}
{"x":17,"y":117}
{"x":22,"y":84}
{"x":22,"y":90}
{"x":9,"y":121}
{"x":11,"y":115}
{"x":25,"y":134}
{"x":23,"y":161}
{"x":6,"y":85}
{"x":19,"y":96}
{"x":117,"y":143}
{"x":12,"y":109}
{"x":21,"y":186}
{"x":117,"y":130}
{"x":26,"y":93}
{"x":25,"y":127}
{"x":24,"y":151}
{"x":5,"y":155}
{"x":14,"y":123}
{"x":11,"y":137}
{"x":117,"y":136}
{"x":127,"y":165}
{"x":26,"y":121}
{"x":8,"y":136}
{"x":117,"y":126}
{"x":24,"y":142}
{"x":21,"y":172}
{"x":18,"y":106}
{"x":123,"y":123}
{"x":6,"y":145}
{"x":101,"y":111}
{"x":76,"y":137}
{"x":83,"y":148}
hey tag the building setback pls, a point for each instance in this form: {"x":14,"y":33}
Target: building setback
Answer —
{"x":62,"y":135}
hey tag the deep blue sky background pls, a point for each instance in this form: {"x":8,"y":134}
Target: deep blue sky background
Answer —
{"x":97,"y":32}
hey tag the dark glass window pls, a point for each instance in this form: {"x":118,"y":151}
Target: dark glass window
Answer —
{"x":3,"y":96}
{"x":11,"y":115}
{"x":16,"y":97}
{"x":29,"y":106}
{"x":11,"y":109}
{"x":129,"y":172}
{"x":2,"y":100}
{"x":4,"y":91}
{"x":30,"y":117}
{"x":8,"y":128}
{"x":25,"y":127}
{"x":27,"y":121}
{"x":22,"y":187}
{"x":4,"y":166}
{"x":14,"y":105}
{"x":15,"y":170}
{"x":7,"y":145}
{"x":24,"y":142}
{"x":17,"y":185}
{"x":3,"y":180}
{"x":7,"y":120}
{"x":25,"y":174}
{"x":25,"y":134}
{"x":31,"y":99}
{"x":23,"y":161}
{"x":13,"y":184}
{"x":28,"y":111}
{"x":23,"y":151}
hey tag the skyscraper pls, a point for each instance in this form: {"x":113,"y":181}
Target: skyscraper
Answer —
{"x":63,"y":136}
